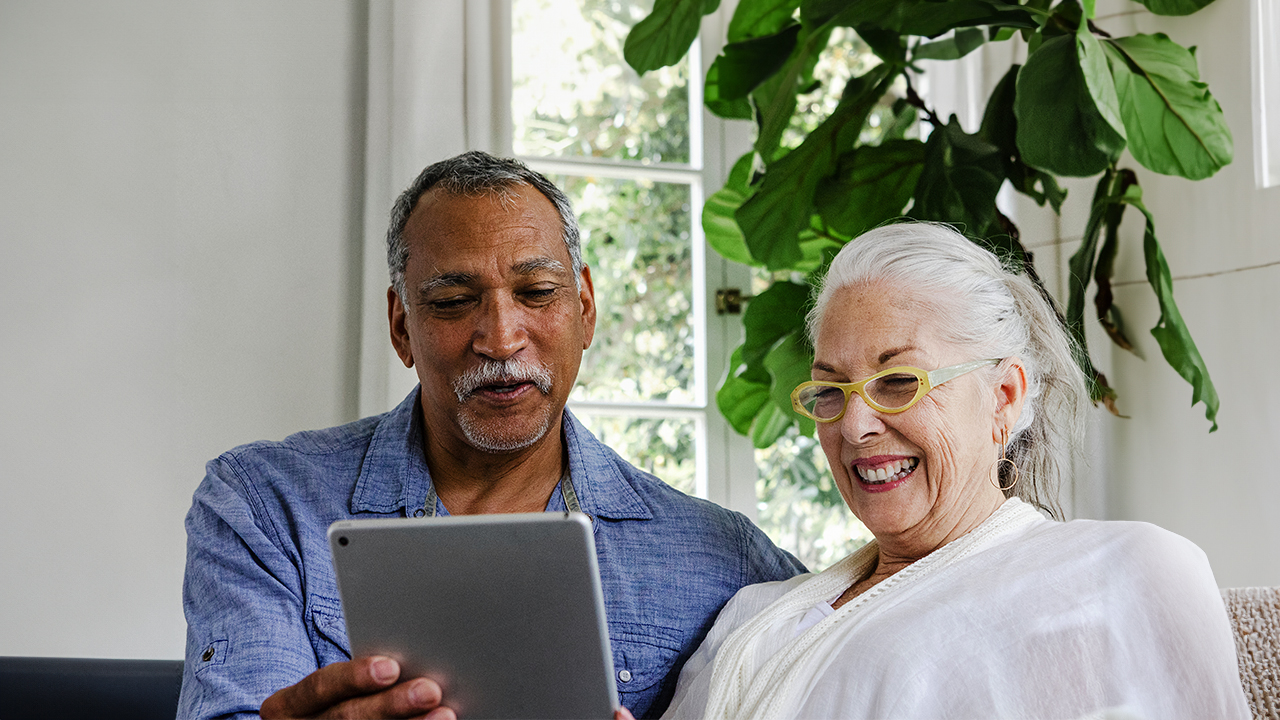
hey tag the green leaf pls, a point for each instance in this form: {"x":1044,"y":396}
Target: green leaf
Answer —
{"x":1000,"y":128}
{"x":904,"y":118}
{"x":739,"y":109}
{"x":744,"y":65}
{"x":963,"y":42}
{"x":1059,"y":127}
{"x":872,"y":184}
{"x":1103,"y":211}
{"x":1175,"y":126}
{"x":962,"y":174}
{"x":743,"y":393}
{"x":775,"y":99}
{"x":772,"y":218}
{"x":771,"y":316}
{"x":757,"y":18}
{"x":1080,"y":267}
{"x":1107,"y":312}
{"x":789,"y":363}
{"x":1174,"y":7}
{"x":888,"y":45}
{"x":814,"y":13}
{"x":771,"y":424}
{"x":718,"y":224}
{"x":1064,"y":20}
{"x":928,"y":18}
{"x":1171,"y":330}
{"x":1097,"y":78}
{"x":664,"y":37}
{"x":817,"y":246}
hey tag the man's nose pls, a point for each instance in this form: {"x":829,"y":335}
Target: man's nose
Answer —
{"x":500,"y":332}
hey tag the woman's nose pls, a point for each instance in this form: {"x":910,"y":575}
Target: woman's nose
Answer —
{"x":860,"y":420}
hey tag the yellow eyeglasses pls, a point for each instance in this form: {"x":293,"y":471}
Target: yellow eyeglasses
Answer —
{"x":890,"y":391}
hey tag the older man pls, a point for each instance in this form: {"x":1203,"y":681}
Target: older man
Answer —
{"x":492,"y":306}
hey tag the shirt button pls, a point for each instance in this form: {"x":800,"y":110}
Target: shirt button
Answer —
{"x":419,"y":512}
{"x":208,"y":655}
{"x":624,"y":675}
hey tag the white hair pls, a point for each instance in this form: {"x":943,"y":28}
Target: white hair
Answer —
{"x":996,"y":312}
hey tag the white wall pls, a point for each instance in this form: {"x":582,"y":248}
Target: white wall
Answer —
{"x":1220,"y":490}
{"x":1161,"y":465}
{"x":180,"y":258}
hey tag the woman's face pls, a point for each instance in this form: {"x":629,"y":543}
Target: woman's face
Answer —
{"x":940,"y":454}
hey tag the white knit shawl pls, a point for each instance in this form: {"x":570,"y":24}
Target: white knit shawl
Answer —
{"x":740,"y":689}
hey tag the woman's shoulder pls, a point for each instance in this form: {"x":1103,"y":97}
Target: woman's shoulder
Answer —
{"x":1121,"y":535}
{"x":753,"y":598}
{"x":1132,"y":548}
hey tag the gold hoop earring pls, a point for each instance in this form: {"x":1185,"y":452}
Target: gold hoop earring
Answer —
{"x":1013,"y":466}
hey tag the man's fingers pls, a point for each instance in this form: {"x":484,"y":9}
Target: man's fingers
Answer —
{"x":330,"y":686}
{"x":411,"y":698}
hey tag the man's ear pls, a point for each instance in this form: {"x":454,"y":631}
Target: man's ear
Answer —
{"x":399,"y":335}
{"x":587,"y":296}
{"x":1011,"y":391}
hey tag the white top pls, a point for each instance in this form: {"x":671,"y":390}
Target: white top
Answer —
{"x":1021,"y":618}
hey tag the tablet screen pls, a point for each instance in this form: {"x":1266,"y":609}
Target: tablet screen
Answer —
{"x":504,"y":611}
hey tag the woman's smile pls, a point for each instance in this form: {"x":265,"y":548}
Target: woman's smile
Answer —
{"x":883,"y":472}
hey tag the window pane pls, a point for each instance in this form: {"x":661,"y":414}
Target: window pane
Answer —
{"x":636,"y":239}
{"x":847,"y":56}
{"x":663,"y":447}
{"x":799,"y":505}
{"x":574,"y":96}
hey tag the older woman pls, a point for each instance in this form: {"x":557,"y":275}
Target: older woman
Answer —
{"x":948,"y":404}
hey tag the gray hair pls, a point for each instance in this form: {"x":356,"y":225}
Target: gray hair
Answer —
{"x":476,"y":173}
{"x":999,"y":313}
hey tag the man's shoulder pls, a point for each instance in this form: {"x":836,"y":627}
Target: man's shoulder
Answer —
{"x":311,"y":457}
{"x":323,"y":441}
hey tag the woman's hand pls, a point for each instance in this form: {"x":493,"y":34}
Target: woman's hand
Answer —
{"x":623,"y":714}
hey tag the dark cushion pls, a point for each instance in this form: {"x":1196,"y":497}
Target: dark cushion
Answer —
{"x":58,"y":688}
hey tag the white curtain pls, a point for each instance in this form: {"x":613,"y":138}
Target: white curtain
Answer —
{"x":439,"y":76}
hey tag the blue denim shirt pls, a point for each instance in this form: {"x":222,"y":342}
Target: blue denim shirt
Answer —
{"x":261,"y":601}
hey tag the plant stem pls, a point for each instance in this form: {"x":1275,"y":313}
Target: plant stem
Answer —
{"x":915,"y":100}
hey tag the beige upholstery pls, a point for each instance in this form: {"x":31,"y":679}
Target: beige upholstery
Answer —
{"x":1255,"y":618}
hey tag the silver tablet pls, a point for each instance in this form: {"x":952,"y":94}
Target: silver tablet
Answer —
{"x":504,"y":611}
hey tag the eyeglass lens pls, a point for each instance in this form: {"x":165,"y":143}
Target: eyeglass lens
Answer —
{"x":891,"y":391}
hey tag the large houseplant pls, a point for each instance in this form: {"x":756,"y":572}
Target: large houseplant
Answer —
{"x":1081,"y":98}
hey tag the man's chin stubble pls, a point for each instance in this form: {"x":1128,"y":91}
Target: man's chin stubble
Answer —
{"x":481,"y":435}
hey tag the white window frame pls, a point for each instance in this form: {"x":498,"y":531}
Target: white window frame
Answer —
{"x":725,"y":461}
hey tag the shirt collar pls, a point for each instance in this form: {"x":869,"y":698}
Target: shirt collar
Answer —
{"x":394,"y":476}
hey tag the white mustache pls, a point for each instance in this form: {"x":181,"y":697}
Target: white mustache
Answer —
{"x":501,"y":372}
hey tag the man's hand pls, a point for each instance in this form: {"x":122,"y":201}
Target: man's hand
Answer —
{"x":365,"y":687}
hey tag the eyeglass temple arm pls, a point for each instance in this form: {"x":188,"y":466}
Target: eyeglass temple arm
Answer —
{"x":941,"y":375}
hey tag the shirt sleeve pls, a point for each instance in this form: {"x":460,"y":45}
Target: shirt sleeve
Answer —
{"x":765,"y":562}
{"x":243,"y":601}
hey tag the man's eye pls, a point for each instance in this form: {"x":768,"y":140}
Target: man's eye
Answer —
{"x":447,"y":304}
{"x":540,"y":293}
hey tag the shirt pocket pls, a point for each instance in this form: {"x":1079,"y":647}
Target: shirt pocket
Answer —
{"x":643,"y":657}
{"x":328,"y":630}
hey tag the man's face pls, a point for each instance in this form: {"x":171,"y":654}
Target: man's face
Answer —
{"x":495,"y":324}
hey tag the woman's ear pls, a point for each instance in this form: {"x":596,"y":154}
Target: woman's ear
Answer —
{"x":1011,"y":391}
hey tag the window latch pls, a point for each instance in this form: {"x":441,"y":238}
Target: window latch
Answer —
{"x":729,"y":301}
